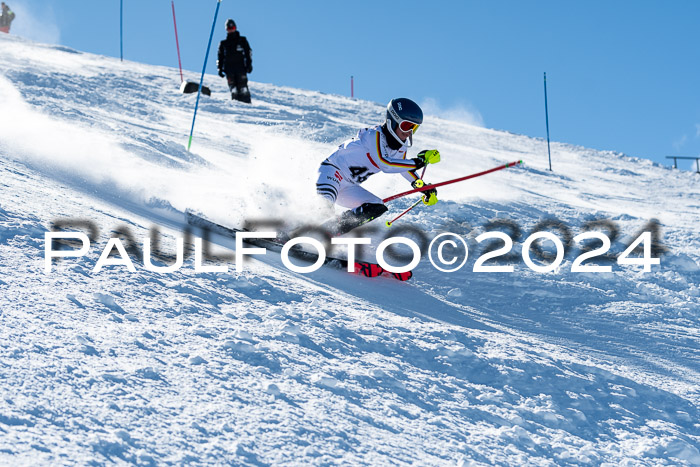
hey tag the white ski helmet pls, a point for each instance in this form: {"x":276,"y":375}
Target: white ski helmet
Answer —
{"x":405,"y":114}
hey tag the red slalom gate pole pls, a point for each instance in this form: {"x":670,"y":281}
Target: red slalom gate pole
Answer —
{"x":177,"y":44}
{"x":448,"y":182}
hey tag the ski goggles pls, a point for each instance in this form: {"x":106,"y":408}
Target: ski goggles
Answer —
{"x":407,"y":126}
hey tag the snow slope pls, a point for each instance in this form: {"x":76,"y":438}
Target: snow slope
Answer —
{"x":267,"y":366}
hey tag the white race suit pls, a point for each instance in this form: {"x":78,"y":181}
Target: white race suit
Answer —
{"x":368,"y":153}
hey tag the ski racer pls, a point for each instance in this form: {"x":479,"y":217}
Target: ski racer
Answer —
{"x":381,"y":148}
{"x":235,"y":62}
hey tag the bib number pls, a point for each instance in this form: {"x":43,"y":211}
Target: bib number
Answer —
{"x":358,"y":174}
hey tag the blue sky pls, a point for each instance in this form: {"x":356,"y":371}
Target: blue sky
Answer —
{"x":621,"y":75}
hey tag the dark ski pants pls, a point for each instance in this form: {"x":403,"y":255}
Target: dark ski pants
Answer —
{"x":238,"y":85}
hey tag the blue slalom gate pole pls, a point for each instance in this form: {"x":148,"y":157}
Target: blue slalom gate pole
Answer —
{"x":201,"y":80}
{"x":121,"y":30}
{"x":546,"y":116}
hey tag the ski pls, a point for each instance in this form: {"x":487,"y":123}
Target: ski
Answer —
{"x":364,"y":268}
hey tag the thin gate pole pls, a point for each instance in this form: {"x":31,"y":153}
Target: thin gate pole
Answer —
{"x":121,"y":30}
{"x":177,"y":44}
{"x":201,"y":80}
{"x":546,"y":114}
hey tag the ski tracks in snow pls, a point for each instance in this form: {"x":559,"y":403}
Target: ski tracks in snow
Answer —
{"x":272,"y":367}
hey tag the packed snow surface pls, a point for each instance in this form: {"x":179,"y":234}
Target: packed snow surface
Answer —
{"x":268,"y":366}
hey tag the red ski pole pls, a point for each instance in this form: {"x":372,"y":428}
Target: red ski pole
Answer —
{"x":389,"y":223}
{"x":448,"y":182}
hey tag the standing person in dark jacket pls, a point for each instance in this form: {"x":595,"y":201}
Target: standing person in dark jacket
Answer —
{"x":6,"y":18}
{"x":235,"y":61}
